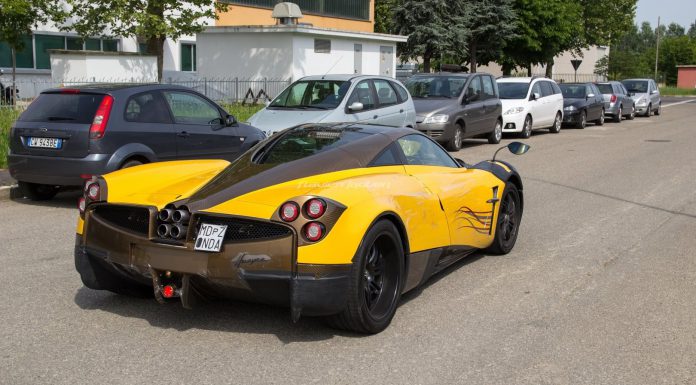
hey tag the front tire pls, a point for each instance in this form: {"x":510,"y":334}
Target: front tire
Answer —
{"x":649,"y":112}
{"x":658,"y":111}
{"x":455,"y":144}
{"x":38,"y":192}
{"x":527,"y":128}
{"x":508,"y":222}
{"x":619,"y":115}
{"x":583,"y":120}
{"x":632,"y":115}
{"x":497,"y":133}
{"x":376,"y":282}
{"x":556,"y":128}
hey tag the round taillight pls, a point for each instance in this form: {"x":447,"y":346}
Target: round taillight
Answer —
{"x":168,"y":291}
{"x":313,"y":231}
{"x":289,"y":211}
{"x":315,"y":208}
{"x":93,"y":191}
{"x":81,"y":204}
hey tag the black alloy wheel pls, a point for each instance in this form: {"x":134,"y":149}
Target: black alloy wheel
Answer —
{"x":376,"y":282}
{"x":508,"y":223}
{"x":583,"y":120}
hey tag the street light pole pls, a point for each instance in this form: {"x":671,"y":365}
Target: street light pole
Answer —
{"x":657,"y":47}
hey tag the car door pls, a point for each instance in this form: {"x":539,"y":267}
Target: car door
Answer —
{"x":654,"y":94}
{"x":363,"y":93}
{"x":474,"y":107}
{"x":536,"y":107}
{"x":200,"y":128}
{"x":548,"y":102}
{"x":594,"y":109}
{"x":149,"y":122}
{"x":625,"y":98}
{"x":468,"y":204}
{"x":389,"y":112}
{"x":406,"y":105}
{"x":492,"y":105}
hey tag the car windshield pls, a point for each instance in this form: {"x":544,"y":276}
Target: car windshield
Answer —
{"x":573,"y":91}
{"x":302,"y":142}
{"x":605,"y":88}
{"x":513,"y":90}
{"x":422,"y":87}
{"x":636,"y":86}
{"x":312,"y":94}
{"x":63,"y":107}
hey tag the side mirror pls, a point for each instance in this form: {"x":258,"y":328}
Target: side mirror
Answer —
{"x":230,"y":120}
{"x":356,"y":106}
{"x":535,"y":96}
{"x":653,"y":92}
{"x":517,"y":148}
{"x":267,"y":103}
{"x":590,"y":96}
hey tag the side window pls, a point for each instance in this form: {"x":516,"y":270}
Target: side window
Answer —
{"x":419,"y":150}
{"x":488,"y":88}
{"x":146,"y":108}
{"x":385,"y":94}
{"x":588,"y":90}
{"x":546,"y":89}
{"x":400,"y":91}
{"x":474,"y":91}
{"x":388,"y":157}
{"x":536,"y":89}
{"x":188,"y":108}
{"x":363,"y":94}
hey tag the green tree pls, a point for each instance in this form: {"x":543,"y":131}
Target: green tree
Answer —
{"x":674,"y":30}
{"x":692,"y":30}
{"x":674,"y":50}
{"x":16,"y":19}
{"x":604,"y":21}
{"x":433,"y":28}
{"x":151,"y":20}
{"x":384,"y":16}
{"x":490,"y":24}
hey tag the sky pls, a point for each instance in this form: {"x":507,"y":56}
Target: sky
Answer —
{"x":679,"y":11}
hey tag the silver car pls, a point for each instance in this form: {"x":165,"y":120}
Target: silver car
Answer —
{"x":338,"y":98}
{"x":646,"y":95}
{"x":617,"y":102}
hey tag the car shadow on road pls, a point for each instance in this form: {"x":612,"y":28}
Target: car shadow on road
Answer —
{"x":223,"y":316}
{"x":64,"y":199}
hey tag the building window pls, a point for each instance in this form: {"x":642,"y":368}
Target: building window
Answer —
{"x":322,"y":45}
{"x":93,"y":45}
{"x":74,"y":43}
{"x":109,"y":45}
{"x":347,"y":9}
{"x":25,"y":57}
{"x":188,"y":57}
{"x":43,"y":43}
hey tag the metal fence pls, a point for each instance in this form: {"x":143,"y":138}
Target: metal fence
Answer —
{"x":230,"y":90}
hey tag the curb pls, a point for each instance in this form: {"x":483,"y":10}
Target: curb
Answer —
{"x":8,"y":192}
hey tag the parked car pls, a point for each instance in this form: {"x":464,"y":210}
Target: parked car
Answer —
{"x":530,"y":104}
{"x":617,"y":102}
{"x":646,"y":94}
{"x":68,"y":135}
{"x":451,"y":107}
{"x":582,"y":102}
{"x":335,"y":99}
{"x":387,"y":210}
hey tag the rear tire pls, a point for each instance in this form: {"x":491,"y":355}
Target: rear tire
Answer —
{"x":600,"y":121}
{"x":131,"y":163}
{"x":376,"y":281}
{"x":556,"y":128}
{"x":497,"y":133}
{"x":455,"y":144}
{"x":38,"y":192}
{"x":508,"y":222}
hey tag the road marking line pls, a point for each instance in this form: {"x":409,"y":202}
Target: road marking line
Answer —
{"x":678,"y":103}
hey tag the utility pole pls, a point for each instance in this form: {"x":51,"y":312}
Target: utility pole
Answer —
{"x":657,"y":47}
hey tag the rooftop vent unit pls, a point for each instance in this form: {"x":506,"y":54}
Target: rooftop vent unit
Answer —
{"x":286,"y":13}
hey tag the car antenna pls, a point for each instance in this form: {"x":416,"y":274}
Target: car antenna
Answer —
{"x":332,"y":67}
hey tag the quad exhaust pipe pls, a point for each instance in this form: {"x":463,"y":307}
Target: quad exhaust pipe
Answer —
{"x":173,"y":222}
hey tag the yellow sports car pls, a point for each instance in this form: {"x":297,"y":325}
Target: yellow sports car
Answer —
{"x":329,"y":220}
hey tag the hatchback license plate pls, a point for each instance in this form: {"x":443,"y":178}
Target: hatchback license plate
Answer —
{"x":53,"y":143}
{"x":210,"y":237}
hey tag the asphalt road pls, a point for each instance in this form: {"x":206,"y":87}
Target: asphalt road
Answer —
{"x":600,"y":289}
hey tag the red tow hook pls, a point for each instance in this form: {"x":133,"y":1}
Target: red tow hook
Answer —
{"x":168,"y":291}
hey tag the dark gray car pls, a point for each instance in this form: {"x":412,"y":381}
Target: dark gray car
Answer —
{"x":451,"y":107}
{"x":68,"y":135}
{"x":617,"y":102}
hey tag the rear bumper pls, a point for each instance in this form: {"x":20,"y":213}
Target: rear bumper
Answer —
{"x":256,"y":271}
{"x":56,"y":170}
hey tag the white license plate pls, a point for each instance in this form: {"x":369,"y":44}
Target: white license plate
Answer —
{"x":45,"y":142}
{"x":210,"y":237}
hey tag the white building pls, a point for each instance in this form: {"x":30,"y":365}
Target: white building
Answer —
{"x":293,"y":51}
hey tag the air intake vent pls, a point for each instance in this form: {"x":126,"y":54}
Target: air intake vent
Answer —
{"x":135,"y":219}
{"x":286,"y":13}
